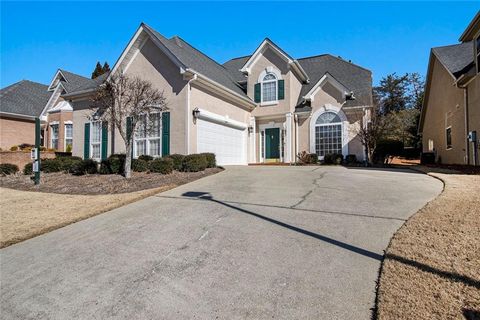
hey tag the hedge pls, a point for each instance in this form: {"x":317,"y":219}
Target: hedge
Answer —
{"x":145,"y":157}
{"x":139,"y":165}
{"x":8,"y":168}
{"x":177,"y":161}
{"x":210,"y":158}
{"x":161,"y":165}
{"x":83,"y":167}
{"x":333,"y":158}
{"x":194,"y":163}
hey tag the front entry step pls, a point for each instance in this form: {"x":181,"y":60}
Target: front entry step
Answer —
{"x":272,"y":160}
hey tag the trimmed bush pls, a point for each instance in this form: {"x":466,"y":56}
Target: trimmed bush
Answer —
{"x":161,"y":165}
{"x":333,"y":158}
{"x":26,"y":146}
{"x":210,"y":158}
{"x":104,"y":167}
{"x":28,"y":169}
{"x":67,"y":162}
{"x":8,"y":168}
{"x":177,"y":161}
{"x":116,"y":163}
{"x":145,"y":157}
{"x":139,"y":165}
{"x":83,"y":167}
{"x":351,"y":159}
{"x":50,"y":165}
{"x":194,"y":163}
{"x":14,"y":148}
{"x":313,"y":158}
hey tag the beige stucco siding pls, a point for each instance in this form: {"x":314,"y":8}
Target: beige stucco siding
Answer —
{"x":212,"y":102}
{"x":445,"y":107}
{"x":153,"y":65}
{"x":15,"y":131}
{"x":474,"y":114}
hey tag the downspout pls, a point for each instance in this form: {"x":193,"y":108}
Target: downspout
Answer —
{"x":467,"y":143}
{"x":296,"y":137}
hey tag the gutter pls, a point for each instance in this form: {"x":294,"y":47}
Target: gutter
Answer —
{"x":18,"y":116}
{"x":79,"y":93}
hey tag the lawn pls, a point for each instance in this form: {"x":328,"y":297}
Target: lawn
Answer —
{"x":61,"y":199}
{"x":432,"y":266}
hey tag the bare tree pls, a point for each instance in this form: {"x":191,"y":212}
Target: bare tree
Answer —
{"x":127,"y":103}
{"x":371,"y":129}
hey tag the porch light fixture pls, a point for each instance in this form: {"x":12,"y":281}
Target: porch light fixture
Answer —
{"x":349,"y":96}
{"x":250,"y":129}
{"x":196,"y":113}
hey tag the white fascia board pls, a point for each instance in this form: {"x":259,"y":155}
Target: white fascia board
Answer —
{"x":326,"y":77}
{"x":125,"y":51}
{"x":59,"y":72}
{"x":50,"y":101}
{"x":224,"y":120}
{"x":17,"y":116}
{"x":260,"y":50}
{"x":213,"y":85}
{"x":299,"y":69}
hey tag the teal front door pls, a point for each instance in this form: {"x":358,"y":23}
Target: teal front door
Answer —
{"x":272,"y":143}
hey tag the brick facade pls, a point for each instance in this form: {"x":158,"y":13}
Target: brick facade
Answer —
{"x":16,"y":131}
{"x":21,"y":158}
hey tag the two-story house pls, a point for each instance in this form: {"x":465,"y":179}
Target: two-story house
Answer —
{"x":265,"y":107}
{"x":450,"y":118}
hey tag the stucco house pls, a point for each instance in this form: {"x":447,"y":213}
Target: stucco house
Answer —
{"x":264,"y":107}
{"x":450,"y":118}
{"x":22,"y":102}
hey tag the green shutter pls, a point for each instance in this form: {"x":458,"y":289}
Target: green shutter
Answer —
{"x":281,"y":89}
{"x":129,"y":131}
{"x":86,"y":141}
{"x":104,"y":140}
{"x":165,"y":133}
{"x":258,"y":93}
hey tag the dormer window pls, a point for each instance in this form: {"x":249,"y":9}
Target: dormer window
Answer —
{"x":269,"y":88}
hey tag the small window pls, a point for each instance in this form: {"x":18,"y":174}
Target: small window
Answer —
{"x":449,"y":137}
{"x":148,"y":136}
{"x":96,"y":140}
{"x":68,"y":135}
{"x":269,"y":88}
{"x":430,"y":145}
{"x":54,"y":137}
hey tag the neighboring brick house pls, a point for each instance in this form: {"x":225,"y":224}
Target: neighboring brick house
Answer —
{"x":263,"y":107}
{"x":22,"y":102}
{"x":450,"y":117}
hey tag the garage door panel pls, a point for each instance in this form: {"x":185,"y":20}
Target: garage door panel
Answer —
{"x":226,"y":142}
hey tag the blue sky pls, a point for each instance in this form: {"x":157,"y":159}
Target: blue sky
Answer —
{"x":385,"y":37}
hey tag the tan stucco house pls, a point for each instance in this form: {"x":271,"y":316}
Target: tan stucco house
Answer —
{"x":264,"y":107}
{"x":450,"y":118}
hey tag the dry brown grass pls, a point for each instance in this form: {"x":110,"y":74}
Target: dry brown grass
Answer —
{"x":26,"y":214}
{"x":432,"y":266}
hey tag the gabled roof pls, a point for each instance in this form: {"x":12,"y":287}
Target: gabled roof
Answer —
{"x":457,"y":58}
{"x":74,"y":83}
{"x":353,"y":77}
{"x":193,"y":58}
{"x":26,"y":98}
{"x":234,"y":65}
{"x":472,"y":29}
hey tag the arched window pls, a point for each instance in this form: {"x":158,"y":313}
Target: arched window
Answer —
{"x":328,"y":134}
{"x":269,"y":87}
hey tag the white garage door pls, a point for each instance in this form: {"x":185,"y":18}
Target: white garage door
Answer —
{"x":228,"y":144}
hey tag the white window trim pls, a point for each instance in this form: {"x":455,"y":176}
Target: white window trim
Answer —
{"x":344,"y":122}
{"x":446,"y":139}
{"x":148,"y":138}
{"x":65,"y":134}
{"x":52,"y":124}
{"x":271,"y":125}
{"x":99,"y":143}
{"x":278,"y":76}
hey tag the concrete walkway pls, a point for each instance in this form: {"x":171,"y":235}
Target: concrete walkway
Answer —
{"x":248,"y":243}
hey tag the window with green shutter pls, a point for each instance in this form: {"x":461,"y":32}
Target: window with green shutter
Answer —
{"x":281,"y":89}
{"x":165,"y":133}
{"x":104,"y":140}
{"x":258,"y":92}
{"x":86,"y":141}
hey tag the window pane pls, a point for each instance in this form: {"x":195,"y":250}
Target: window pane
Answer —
{"x":154,"y":147}
{"x":141,"y":147}
{"x":328,"y":139}
{"x":269,"y":76}
{"x":68,"y":131}
{"x":269,"y":91}
{"x":96,"y":132}
{"x":96,"y":151}
{"x":328,"y":117}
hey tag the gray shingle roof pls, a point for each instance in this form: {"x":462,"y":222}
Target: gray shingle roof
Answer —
{"x":355,"y":78}
{"x":198,"y":61}
{"x":25,"y":98}
{"x":75,"y":82}
{"x":456,"y":58}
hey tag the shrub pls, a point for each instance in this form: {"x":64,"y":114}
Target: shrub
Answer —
{"x":161,"y":165}
{"x":8,"y":168}
{"x":177,"y":161}
{"x":67,"y":162}
{"x":116,"y":163}
{"x":50,"y":165}
{"x":104,"y":167}
{"x":83,"y":167}
{"x":313,"y":158}
{"x":42,"y":148}
{"x":28,"y":169}
{"x":307,"y":158}
{"x":68,"y":148}
{"x":351,"y":159}
{"x":26,"y":146}
{"x":13,"y":148}
{"x":139,"y":165}
{"x":210,"y":158}
{"x":145,"y":157}
{"x":194,"y":163}
{"x":333,"y":158}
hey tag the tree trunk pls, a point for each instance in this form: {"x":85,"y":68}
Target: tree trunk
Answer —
{"x":128,"y":161}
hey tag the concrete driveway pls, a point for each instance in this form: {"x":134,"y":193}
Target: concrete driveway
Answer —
{"x":248,"y":243}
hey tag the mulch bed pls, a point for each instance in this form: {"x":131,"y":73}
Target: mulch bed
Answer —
{"x":95,"y":184}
